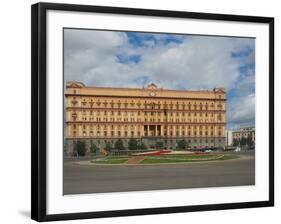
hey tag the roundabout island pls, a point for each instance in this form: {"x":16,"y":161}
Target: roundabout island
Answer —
{"x":163,"y":157}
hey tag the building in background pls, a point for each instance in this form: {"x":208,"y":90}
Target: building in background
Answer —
{"x":246,"y":134}
{"x":103,"y":114}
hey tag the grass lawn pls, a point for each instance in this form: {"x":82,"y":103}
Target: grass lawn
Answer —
{"x":111,"y":161}
{"x":229,"y":156}
{"x":177,"y":158}
{"x":189,"y":158}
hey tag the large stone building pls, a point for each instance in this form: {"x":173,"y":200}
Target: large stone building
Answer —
{"x":149,"y":114}
{"x":245,"y":133}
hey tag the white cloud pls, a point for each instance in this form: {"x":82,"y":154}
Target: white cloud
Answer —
{"x":199,"y":62}
{"x":242,"y":110}
{"x":85,"y":50}
{"x":196,"y":62}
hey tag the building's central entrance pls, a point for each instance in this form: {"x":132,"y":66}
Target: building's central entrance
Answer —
{"x":152,"y":130}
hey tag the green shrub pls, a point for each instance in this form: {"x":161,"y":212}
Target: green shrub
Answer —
{"x":133,"y":144}
{"x":108,"y":147}
{"x":119,"y":145}
{"x":182,"y":144}
{"x":80,"y":148}
{"x":142,"y":146}
{"x":93,"y":148}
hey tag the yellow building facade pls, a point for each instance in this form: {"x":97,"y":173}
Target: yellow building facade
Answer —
{"x":149,"y":114}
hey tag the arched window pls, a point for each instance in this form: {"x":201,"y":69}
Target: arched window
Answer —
{"x":171,"y":105}
{"x":183,"y":106}
{"x":195,"y":107}
{"x":125,"y":104}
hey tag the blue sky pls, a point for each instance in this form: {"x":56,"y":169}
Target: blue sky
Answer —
{"x":135,"y":59}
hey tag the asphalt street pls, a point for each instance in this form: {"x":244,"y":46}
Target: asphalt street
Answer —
{"x":79,"y":179}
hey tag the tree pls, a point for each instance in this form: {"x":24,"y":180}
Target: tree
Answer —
{"x":133,"y":144}
{"x":159,"y":145}
{"x":243,"y":141}
{"x":80,"y":148}
{"x":250,"y":141}
{"x":93,"y":148}
{"x":235,"y":142}
{"x":142,"y":146}
{"x":108,"y":147}
{"x":119,"y":145}
{"x":182,"y":144}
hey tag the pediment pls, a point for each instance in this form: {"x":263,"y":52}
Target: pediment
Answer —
{"x":152,"y":86}
{"x":74,"y":85}
{"x":220,"y":90}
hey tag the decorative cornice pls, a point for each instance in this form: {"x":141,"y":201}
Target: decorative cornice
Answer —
{"x":144,"y":123}
{"x":151,"y":86}
{"x":145,"y":97}
{"x":144,"y":137}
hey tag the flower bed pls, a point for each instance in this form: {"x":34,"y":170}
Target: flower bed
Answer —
{"x":154,"y":153}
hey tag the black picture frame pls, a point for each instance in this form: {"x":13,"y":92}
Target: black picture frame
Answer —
{"x":39,"y":107}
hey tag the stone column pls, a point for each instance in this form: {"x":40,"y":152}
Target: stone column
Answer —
{"x":141,"y":130}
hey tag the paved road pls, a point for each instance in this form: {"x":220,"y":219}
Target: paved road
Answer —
{"x":80,"y":179}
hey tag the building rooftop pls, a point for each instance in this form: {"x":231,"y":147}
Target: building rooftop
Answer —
{"x":151,"y":90}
